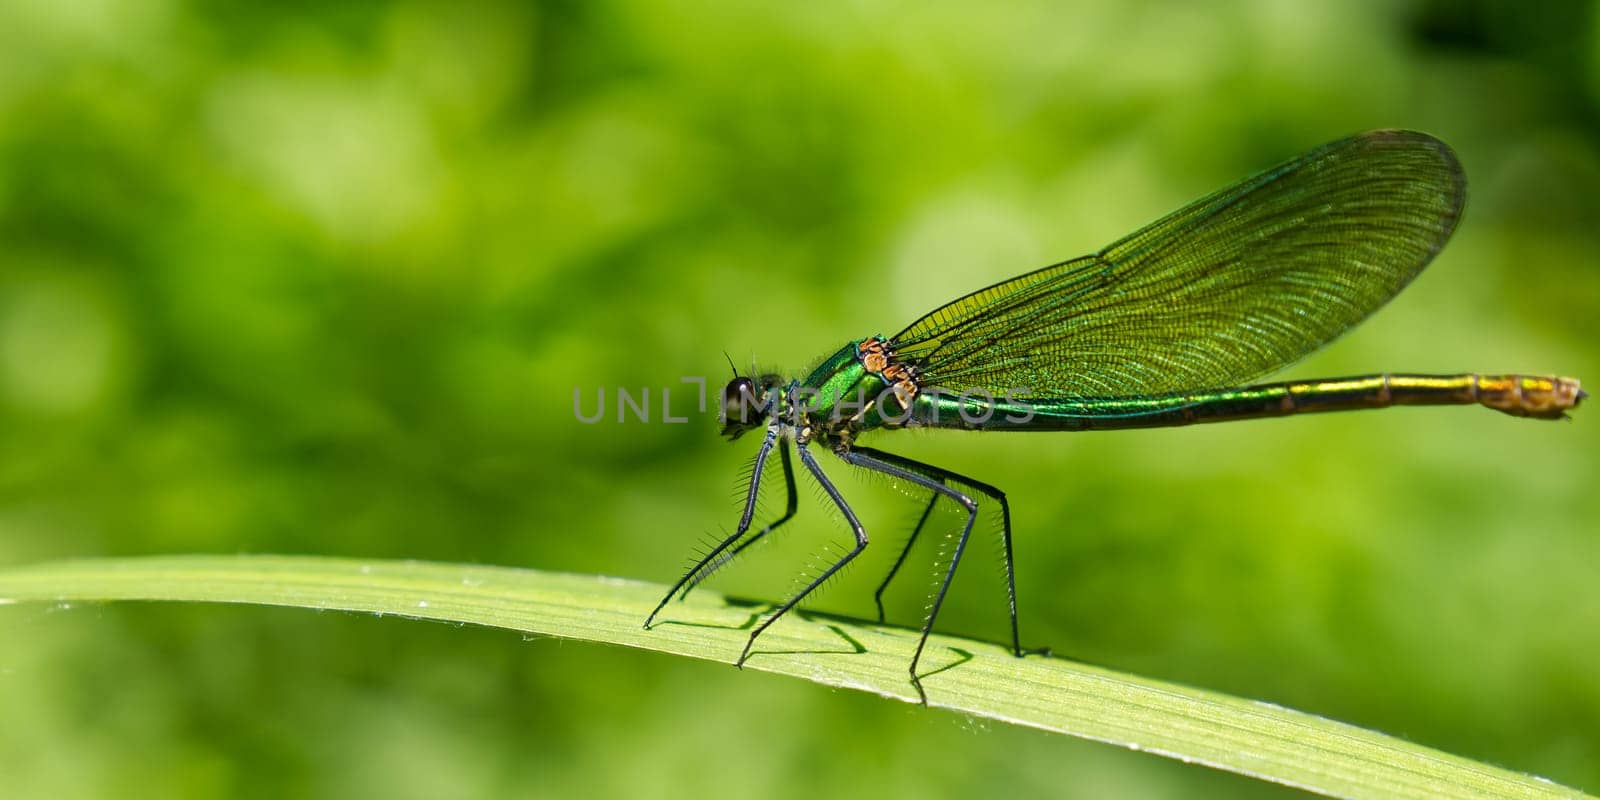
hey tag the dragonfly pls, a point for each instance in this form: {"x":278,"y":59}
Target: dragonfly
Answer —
{"x":1169,"y":326}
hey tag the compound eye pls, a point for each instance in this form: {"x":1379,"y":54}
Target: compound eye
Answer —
{"x":737,"y":398}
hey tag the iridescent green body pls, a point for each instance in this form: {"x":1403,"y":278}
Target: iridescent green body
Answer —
{"x":1171,"y":325}
{"x":850,"y":399}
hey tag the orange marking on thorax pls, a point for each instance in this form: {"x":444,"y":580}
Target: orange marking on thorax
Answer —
{"x":879,"y":360}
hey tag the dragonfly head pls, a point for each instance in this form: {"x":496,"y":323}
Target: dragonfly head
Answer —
{"x":748,"y":403}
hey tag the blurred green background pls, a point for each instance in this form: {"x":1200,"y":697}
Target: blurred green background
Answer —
{"x":321,"y":279}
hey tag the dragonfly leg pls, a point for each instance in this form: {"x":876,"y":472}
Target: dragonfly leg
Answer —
{"x":744,"y":523}
{"x":927,"y":511}
{"x":860,"y":531}
{"x":863,"y":457}
{"x":943,"y":475}
{"x":701,"y":573}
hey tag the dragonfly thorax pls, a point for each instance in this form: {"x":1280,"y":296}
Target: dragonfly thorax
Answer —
{"x":878,"y":359}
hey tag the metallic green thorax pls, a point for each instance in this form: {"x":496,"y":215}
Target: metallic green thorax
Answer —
{"x":838,"y":397}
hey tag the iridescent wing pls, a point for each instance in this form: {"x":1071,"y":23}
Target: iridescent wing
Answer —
{"x":1217,"y":294}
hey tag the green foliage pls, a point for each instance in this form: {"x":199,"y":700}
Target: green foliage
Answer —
{"x":320,"y":279}
{"x":1256,"y":739}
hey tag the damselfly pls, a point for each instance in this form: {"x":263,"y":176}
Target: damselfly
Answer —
{"x":1167,"y":326}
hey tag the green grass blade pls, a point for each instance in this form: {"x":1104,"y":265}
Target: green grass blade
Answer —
{"x":981,"y":679}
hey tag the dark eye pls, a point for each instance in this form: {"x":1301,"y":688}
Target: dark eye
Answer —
{"x":737,"y":398}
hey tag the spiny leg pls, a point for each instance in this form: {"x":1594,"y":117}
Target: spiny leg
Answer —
{"x":942,"y":475}
{"x":927,"y":511}
{"x":744,"y":522}
{"x":701,"y":574}
{"x":863,"y":457}
{"x":815,"y":469}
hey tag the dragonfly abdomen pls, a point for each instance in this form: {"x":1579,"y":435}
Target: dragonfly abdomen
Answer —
{"x":1536,"y":396}
{"x":1540,"y":397}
